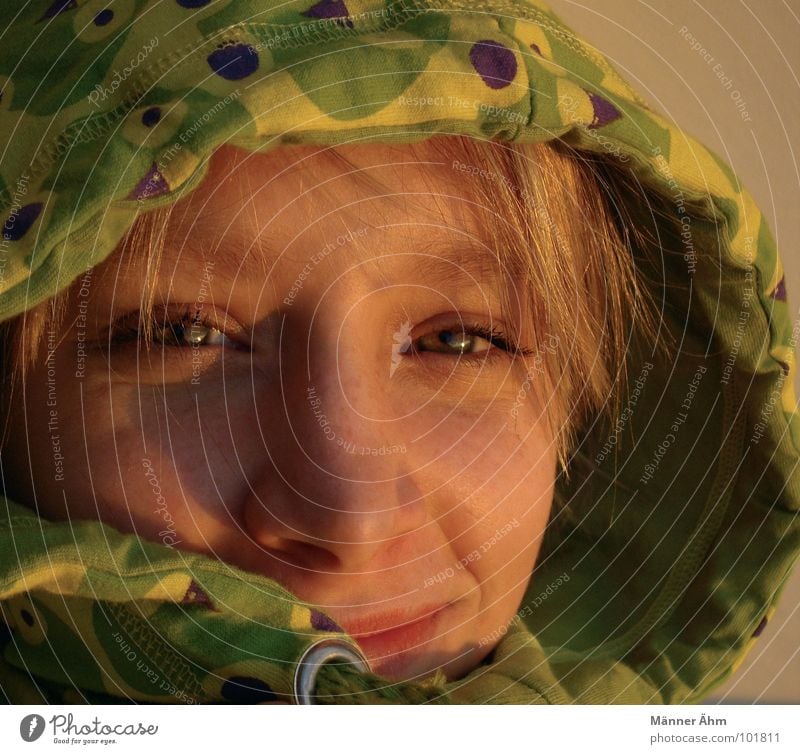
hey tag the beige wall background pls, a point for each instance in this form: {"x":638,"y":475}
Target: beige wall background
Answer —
{"x":755,"y":44}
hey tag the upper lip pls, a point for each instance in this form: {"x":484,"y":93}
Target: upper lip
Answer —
{"x":378,"y":623}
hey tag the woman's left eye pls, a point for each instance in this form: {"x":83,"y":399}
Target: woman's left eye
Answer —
{"x":461,"y":339}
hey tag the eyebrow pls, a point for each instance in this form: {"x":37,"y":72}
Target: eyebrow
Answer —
{"x":463,"y":258}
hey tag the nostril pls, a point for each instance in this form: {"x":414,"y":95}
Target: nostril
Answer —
{"x":302,"y":555}
{"x":315,"y":558}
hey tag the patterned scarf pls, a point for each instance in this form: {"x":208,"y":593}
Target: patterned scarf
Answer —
{"x":114,"y":107}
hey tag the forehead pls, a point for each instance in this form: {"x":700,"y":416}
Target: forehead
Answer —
{"x":386,"y":203}
{"x":264,"y":190}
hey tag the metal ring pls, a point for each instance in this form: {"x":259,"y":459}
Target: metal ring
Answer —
{"x":325,"y":650}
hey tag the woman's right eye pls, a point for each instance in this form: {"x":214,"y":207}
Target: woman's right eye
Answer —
{"x":173,"y":329}
{"x":191,"y":334}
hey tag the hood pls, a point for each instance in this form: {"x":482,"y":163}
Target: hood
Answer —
{"x":679,"y":518}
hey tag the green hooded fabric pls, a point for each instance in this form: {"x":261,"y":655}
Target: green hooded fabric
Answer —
{"x":680,"y":519}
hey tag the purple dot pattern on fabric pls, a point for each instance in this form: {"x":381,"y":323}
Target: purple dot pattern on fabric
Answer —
{"x":59,"y":6}
{"x":193,"y":3}
{"x":322,"y":622}
{"x":494,"y":62}
{"x":604,"y":111}
{"x":329,"y":9}
{"x":234,"y":61}
{"x":779,"y":294}
{"x":103,"y":17}
{"x":153,"y":184}
{"x":760,"y":628}
{"x":196,"y":595}
{"x":244,"y":690}
{"x":151,"y":116}
{"x":19,"y":223}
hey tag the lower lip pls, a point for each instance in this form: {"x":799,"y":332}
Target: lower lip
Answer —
{"x":384,"y":648}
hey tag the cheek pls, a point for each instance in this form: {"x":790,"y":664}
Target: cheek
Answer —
{"x":498,"y":490}
{"x":176,"y":459}
{"x":502,"y":509}
{"x":500,"y":493}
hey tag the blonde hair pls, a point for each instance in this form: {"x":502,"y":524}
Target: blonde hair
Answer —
{"x":552,"y":218}
{"x":561,"y":223}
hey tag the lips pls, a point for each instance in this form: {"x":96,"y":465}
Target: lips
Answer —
{"x":395,"y":642}
{"x":389,"y":622}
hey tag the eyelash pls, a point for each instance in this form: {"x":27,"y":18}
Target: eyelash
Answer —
{"x":498,"y":338}
{"x":129,"y":328}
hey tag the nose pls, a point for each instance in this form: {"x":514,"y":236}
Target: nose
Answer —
{"x":333,"y":491}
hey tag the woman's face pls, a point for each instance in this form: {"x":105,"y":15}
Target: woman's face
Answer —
{"x":317,"y":404}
